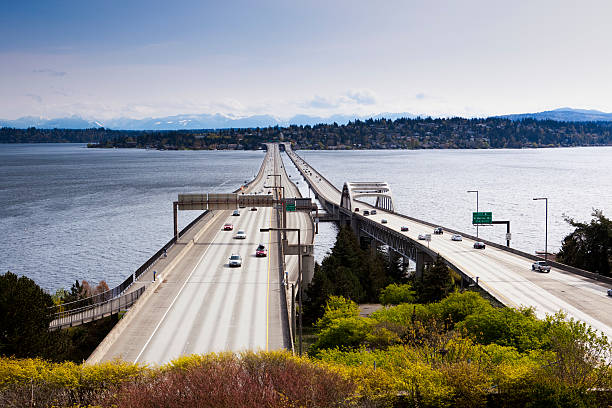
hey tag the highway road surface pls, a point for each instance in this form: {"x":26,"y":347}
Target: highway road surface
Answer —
{"x":203,"y":305}
{"x":506,"y":276}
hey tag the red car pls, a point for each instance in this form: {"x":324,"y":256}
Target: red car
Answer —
{"x":228,"y":227}
{"x":261,"y":251}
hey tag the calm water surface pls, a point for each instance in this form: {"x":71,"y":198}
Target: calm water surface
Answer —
{"x":432,"y":185}
{"x":68,"y":212}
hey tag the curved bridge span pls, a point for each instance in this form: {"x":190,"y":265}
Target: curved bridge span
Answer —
{"x":505,"y":273}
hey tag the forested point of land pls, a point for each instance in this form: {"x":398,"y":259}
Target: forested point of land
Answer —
{"x":419,"y":133}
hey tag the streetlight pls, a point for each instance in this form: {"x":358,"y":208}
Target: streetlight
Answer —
{"x":301,"y":289}
{"x":546,"y":236}
{"x":475,"y":191}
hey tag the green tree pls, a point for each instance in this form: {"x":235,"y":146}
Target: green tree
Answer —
{"x":436,"y":282}
{"x":589,"y":246}
{"x":24,"y":316}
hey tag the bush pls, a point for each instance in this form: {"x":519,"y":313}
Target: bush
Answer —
{"x":336,"y":308}
{"x":344,"y":333}
{"x":395,"y":294}
{"x":507,"y":327}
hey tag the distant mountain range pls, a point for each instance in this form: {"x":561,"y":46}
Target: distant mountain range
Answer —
{"x":220,"y":121}
{"x":564,"y":115}
{"x":195,"y":121}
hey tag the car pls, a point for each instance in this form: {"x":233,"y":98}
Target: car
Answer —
{"x":356,"y":209}
{"x":384,"y":220}
{"x":373,"y":212}
{"x":253,"y":208}
{"x":404,"y":228}
{"x":540,"y":266}
{"x":366,"y":212}
{"x":236,"y":213}
{"x":422,"y":237}
{"x":479,"y":245}
{"x":261,"y":251}
{"x":235,"y":261}
{"x":609,"y":292}
{"x":240,"y":234}
{"x":457,"y":237}
{"x":438,"y":231}
{"x":228,"y":227}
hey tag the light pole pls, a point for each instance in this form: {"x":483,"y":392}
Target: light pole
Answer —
{"x":546,"y":236}
{"x":475,"y":191}
{"x":301,"y":289}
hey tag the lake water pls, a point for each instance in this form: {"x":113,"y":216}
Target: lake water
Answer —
{"x":68,"y":212}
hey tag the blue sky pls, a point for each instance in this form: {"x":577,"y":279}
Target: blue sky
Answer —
{"x":106,"y":59}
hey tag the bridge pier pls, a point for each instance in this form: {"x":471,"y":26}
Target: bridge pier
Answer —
{"x":308,"y":263}
{"x":423,"y":260}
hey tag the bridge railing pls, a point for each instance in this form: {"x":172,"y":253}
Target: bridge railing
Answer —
{"x":89,"y":313}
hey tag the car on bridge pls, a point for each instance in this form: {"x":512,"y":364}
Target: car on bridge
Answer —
{"x":366,"y":212}
{"x":235,"y":261}
{"x":373,"y":212}
{"x":457,"y":237}
{"x":253,"y":208}
{"x":356,"y":209}
{"x":384,"y":220}
{"x":240,"y":234}
{"x":479,"y":245}
{"x":438,"y":231}
{"x":609,"y":292}
{"x":423,"y":237}
{"x":236,"y":213}
{"x":404,"y":228}
{"x":228,"y":227}
{"x":261,"y":251}
{"x":540,"y":266}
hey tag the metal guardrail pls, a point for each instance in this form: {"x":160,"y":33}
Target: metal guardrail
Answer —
{"x":85,"y":314}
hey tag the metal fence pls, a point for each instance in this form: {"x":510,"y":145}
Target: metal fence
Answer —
{"x":85,"y":314}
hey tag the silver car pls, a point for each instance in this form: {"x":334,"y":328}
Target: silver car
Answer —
{"x":240,"y":234}
{"x":457,"y":237}
{"x":235,"y":261}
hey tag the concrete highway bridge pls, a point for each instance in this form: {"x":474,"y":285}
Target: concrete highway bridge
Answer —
{"x":503,"y":272}
{"x":196,"y":303}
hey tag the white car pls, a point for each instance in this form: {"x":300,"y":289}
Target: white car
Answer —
{"x":384,"y":220}
{"x":422,"y":237}
{"x":457,"y":237}
{"x":240,"y":234}
{"x":235,"y":261}
{"x":373,"y":212}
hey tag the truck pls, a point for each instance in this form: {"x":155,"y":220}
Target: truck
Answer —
{"x":540,"y":266}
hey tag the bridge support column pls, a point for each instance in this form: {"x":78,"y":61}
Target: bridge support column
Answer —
{"x":422,"y":261}
{"x":308,"y":263}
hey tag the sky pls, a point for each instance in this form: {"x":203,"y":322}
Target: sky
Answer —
{"x":137,"y":59}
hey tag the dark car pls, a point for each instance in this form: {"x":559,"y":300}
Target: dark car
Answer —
{"x":438,"y":231}
{"x":356,"y":209}
{"x":366,"y":212}
{"x":479,"y":245}
{"x":253,"y":208}
{"x":404,"y":228}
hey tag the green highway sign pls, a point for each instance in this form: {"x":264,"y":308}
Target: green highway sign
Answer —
{"x":291,"y":207}
{"x":482,"y":218}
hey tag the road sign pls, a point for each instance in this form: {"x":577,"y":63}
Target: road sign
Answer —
{"x":290,"y":207}
{"x":508,"y":237}
{"x":482,"y":218}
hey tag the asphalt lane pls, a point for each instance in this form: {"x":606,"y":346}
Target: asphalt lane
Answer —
{"x":202,"y":305}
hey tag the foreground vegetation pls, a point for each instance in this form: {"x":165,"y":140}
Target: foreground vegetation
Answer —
{"x":429,"y":346}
